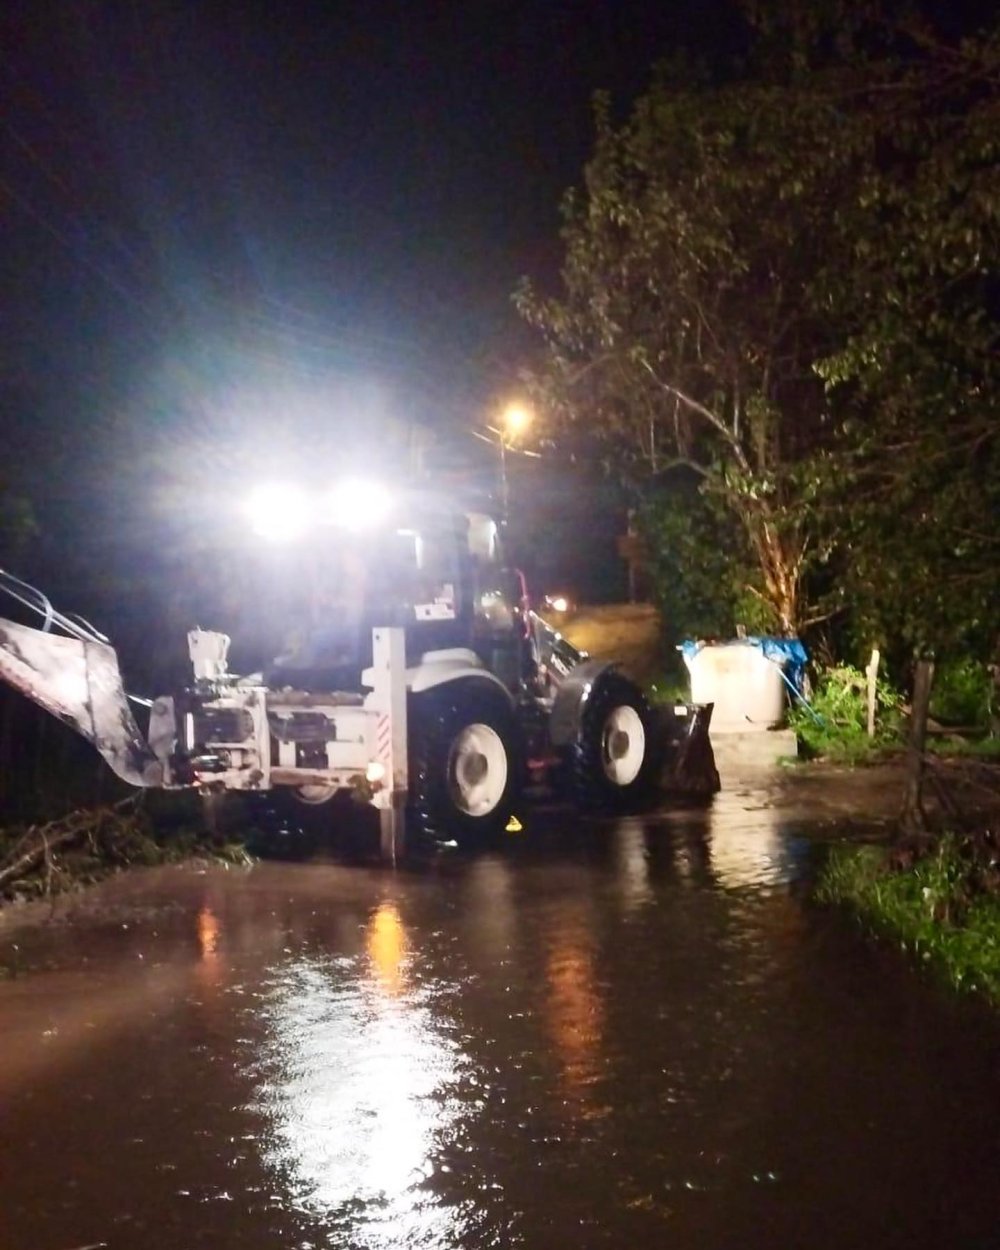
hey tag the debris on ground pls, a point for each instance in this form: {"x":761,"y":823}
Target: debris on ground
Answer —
{"x":46,"y":858}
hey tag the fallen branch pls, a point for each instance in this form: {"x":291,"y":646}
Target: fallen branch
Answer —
{"x":87,"y":844}
{"x":37,"y":850}
{"x":104,"y":829}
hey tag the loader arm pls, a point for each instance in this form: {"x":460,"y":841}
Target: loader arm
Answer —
{"x":78,"y":681}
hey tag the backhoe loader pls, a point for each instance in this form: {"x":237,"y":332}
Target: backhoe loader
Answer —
{"x":418,"y":680}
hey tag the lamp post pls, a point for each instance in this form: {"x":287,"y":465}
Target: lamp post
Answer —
{"x":515,"y":418}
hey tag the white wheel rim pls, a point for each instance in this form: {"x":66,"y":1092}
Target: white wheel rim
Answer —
{"x":623,"y":745}
{"x":313,"y":796}
{"x":477,"y":770}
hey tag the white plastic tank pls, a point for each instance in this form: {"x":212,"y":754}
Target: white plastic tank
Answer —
{"x":748,"y":689}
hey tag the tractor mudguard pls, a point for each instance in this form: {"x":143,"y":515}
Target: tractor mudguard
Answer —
{"x":79,"y":682}
{"x":452,"y":664}
{"x":571,"y":699}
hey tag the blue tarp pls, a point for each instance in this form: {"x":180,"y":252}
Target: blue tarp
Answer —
{"x":788,"y":653}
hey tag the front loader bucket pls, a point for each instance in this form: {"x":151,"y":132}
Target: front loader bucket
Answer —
{"x":689,"y":761}
{"x":79,"y":682}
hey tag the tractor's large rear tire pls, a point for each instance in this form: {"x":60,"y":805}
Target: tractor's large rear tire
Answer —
{"x":617,"y":756}
{"x":465,"y":763}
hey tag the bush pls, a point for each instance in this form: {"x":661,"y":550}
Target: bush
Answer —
{"x":962,"y":693}
{"x":837,"y":724}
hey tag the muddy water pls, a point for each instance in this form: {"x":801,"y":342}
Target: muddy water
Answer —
{"x":634,"y":1034}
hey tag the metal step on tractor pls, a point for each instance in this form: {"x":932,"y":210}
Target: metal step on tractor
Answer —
{"x":419,"y":680}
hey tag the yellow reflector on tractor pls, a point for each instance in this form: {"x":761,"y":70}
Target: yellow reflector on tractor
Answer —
{"x":514,"y":825}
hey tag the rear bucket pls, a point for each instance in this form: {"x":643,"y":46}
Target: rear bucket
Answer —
{"x":689,"y":761}
{"x":79,"y":682}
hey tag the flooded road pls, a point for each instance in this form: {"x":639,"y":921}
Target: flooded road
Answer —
{"x":599,"y":1034}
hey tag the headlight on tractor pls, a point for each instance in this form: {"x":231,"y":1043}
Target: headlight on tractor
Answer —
{"x":356,"y":504}
{"x":282,"y":513}
{"x":278,"y":512}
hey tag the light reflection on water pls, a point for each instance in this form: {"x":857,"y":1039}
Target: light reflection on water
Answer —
{"x":365,"y":1087}
{"x":573,"y":1006}
{"x":355,"y":1083}
{"x":490,"y":894}
{"x":387,"y":948}
{"x":361,"y":1076}
{"x":632,"y":864}
{"x":755,"y":850}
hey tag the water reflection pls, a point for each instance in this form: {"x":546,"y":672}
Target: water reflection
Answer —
{"x":387,"y":948}
{"x":353,"y":1083}
{"x":490,"y":894}
{"x":710,"y":1067}
{"x":573,"y":1007}
{"x":632,"y":859}
{"x":209,"y":967}
{"x":208,"y":934}
{"x":749,"y":847}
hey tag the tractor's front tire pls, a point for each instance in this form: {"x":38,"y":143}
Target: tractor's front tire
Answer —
{"x":617,"y":755}
{"x":465,"y":762}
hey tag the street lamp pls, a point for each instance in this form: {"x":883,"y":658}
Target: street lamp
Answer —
{"x":514,"y":420}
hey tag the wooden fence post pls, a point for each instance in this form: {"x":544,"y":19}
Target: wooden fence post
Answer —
{"x":871,"y":672}
{"x":912,"y":817}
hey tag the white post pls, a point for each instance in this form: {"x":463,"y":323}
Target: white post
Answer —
{"x":389,"y":689}
{"x":871,"y":672}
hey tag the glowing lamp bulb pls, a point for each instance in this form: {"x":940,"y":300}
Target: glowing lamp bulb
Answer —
{"x":516,"y":418}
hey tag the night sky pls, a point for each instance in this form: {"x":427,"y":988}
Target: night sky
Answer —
{"x":266,"y":230}
{"x":252,"y":199}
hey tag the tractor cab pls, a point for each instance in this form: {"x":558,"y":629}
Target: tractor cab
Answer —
{"x":435,"y":572}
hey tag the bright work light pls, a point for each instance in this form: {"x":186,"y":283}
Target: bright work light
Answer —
{"x":357,"y":504}
{"x":282,"y":513}
{"x":278,"y":512}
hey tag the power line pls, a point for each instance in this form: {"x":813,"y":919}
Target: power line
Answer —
{"x":40,"y":219}
{"x":58,"y":181}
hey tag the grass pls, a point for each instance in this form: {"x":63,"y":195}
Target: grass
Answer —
{"x":928,"y":907}
{"x":850,"y":750}
{"x":975,"y":748}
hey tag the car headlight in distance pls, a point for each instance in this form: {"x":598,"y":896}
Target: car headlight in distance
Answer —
{"x":357,"y":504}
{"x":278,"y":512}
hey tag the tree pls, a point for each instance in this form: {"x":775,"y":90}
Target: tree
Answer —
{"x":698,"y":563}
{"x":734,"y":297}
{"x":916,"y":381}
{"x":687,"y":330}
